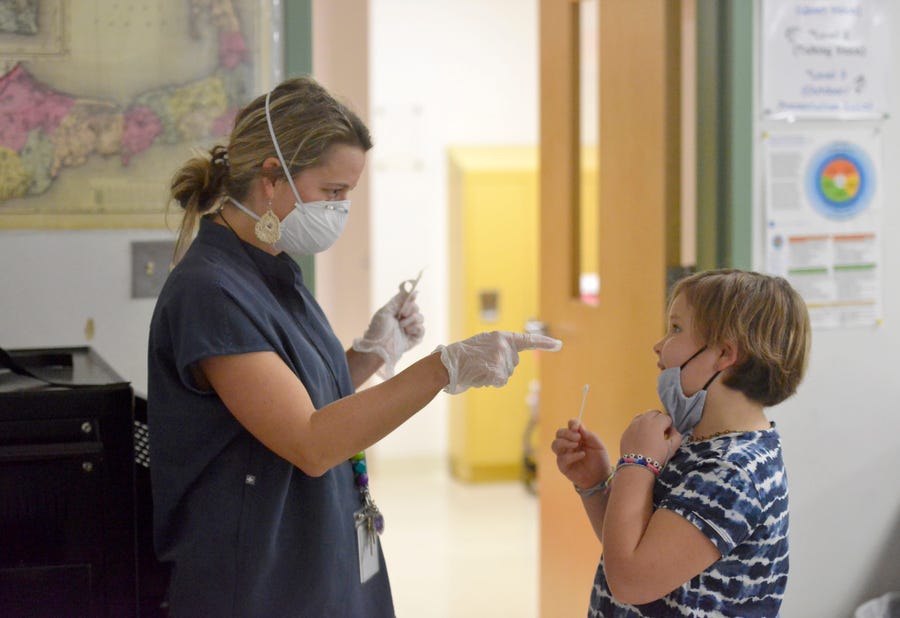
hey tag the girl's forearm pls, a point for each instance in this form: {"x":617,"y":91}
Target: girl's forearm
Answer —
{"x":630,"y":505}
{"x":595,"y":507}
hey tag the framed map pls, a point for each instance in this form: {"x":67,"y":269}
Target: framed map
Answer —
{"x":101,"y":102}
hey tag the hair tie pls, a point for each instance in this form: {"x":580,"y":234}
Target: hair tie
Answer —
{"x":221,"y":159}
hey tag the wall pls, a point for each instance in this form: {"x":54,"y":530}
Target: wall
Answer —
{"x":442,"y":73}
{"x":52,"y":283}
{"x":841,"y":430}
{"x":340,"y":47}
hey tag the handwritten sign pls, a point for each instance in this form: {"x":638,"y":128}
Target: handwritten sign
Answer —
{"x":824,"y":59}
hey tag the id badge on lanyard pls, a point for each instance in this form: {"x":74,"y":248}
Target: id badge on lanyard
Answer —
{"x":367,"y":544}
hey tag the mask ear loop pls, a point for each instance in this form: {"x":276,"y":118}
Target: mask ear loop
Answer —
{"x":693,"y":356}
{"x":710,"y":381}
{"x":284,"y":166}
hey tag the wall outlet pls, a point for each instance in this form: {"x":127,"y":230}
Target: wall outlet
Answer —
{"x":150,"y":265}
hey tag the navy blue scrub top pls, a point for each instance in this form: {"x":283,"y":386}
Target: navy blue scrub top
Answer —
{"x":247,"y":533}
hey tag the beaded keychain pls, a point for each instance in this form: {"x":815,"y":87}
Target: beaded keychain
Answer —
{"x":374,"y":518}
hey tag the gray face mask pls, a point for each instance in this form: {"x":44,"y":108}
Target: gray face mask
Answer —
{"x":685,"y":411}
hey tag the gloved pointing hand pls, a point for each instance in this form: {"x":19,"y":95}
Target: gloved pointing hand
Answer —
{"x":488,"y":359}
{"x":394,"y":329}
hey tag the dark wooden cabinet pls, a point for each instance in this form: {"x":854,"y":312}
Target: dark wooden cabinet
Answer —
{"x":68,"y":533}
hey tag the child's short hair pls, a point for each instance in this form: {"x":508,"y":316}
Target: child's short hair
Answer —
{"x":763,"y":316}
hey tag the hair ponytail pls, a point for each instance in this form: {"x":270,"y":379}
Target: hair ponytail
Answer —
{"x":198,"y":187}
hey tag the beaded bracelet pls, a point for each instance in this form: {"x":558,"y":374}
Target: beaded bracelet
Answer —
{"x":633,"y":459}
{"x":601,"y":486}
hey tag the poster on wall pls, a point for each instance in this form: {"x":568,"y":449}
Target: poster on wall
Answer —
{"x":824,"y":59}
{"x":823,"y":221}
{"x":100,"y":102}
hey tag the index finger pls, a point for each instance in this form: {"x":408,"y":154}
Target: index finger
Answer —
{"x":528,"y":341}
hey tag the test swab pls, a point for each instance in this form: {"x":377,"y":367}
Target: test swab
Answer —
{"x":411,"y":290}
{"x":583,"y":397}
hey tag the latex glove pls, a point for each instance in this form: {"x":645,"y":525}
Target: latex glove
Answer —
{"x":394,"y":329}
{"x":488,"y":359}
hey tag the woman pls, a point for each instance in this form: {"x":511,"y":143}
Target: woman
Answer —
{"x":261,"y":500}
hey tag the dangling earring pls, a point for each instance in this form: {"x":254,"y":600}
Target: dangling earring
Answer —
{"x":268,"y":228}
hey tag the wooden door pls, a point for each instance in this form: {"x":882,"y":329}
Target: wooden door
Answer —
{"x":608,"y":344}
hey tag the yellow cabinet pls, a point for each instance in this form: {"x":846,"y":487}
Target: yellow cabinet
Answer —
{"x":493,"y":206}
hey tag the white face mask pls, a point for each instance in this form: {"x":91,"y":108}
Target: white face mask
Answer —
{"x":311,"y":227}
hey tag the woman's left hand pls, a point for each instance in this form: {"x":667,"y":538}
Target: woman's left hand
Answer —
{"x":651,"y":434}
{"x":394,"y":329}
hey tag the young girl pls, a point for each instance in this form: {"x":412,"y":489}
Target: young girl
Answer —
{"x":694,"y":517}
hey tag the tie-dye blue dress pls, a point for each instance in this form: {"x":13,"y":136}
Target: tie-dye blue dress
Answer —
{"x":733,"y":488}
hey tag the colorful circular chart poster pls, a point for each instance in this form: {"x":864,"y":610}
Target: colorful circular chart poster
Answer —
{"x":823,"y":221}
{"x":840,"y":181}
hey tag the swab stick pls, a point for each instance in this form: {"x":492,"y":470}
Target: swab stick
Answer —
{"x":583,"y":397}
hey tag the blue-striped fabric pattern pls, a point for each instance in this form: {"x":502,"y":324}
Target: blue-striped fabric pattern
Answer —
{"x":733,"y":488}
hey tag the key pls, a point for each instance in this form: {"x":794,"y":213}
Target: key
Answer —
{"x":371,"y":526}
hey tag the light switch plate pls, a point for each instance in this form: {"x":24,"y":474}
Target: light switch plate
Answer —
{"x":150,"y":262}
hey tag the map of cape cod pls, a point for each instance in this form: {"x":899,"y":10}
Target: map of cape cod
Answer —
{"x":47,"y":132}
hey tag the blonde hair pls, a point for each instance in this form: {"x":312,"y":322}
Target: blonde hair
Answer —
{"x":763,"y":316}
{"x":307,"y":121}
